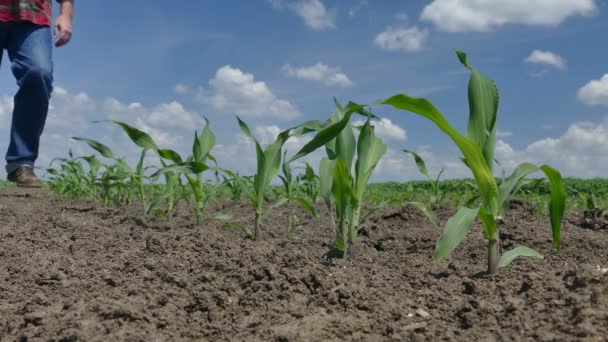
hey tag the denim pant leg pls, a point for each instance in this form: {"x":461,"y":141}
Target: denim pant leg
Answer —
{"x":29,"y":49}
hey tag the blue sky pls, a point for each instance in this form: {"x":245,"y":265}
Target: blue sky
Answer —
{"x":161,"y":65}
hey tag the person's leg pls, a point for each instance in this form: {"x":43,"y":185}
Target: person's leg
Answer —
{"x":29,"y":48}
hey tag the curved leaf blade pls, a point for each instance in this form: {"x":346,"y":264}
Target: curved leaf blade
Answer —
{"x":97,"y":146}
{"x":507,"y":257}
{"x":420,"y":164}
{"x":557,"y":203}
{"x":426,"y":210}
{"x":455,"y":231}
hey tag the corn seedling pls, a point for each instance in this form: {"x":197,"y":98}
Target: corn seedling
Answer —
{"x":478,"y":150}
{"x":193,"y":168}
{"x":308,"y":184}
{"x":291,"y":189}
{"x":338,"y":183}
{"x":236,"y":184}
{"x":268,"y":164}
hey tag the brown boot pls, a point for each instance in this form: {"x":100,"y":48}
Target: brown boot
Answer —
{"x":24,"y":177}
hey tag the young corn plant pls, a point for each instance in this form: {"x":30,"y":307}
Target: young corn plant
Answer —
{"x":477,"y":148}
{"x":112,"y":180}
{"x":308,"y":184}
{"x":236,"y":184}
{"x":338,"y":183}
{"x":268,"y":164}
{"x":291,"y":189}
{"x":193,"y":168}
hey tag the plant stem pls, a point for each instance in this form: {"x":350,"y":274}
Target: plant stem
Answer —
{"x":353,"y":230}
{"x":493,"y":256}
{"x":344,"y":231}
{"x":258,"y":225}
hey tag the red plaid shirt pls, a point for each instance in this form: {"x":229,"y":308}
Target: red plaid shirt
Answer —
{"x":34,"y":11}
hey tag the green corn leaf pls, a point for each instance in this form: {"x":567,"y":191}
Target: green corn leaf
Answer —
{"x":326,"y":176}
{"x":259,"y":178}
{"x":345,"y":146}
{"x":557,"y":203}
{"x":240,"y":227}
{"x":140,"y":138}
{"x":419,"y":163}
{"x":510,"y":184}
{"x":281,"y":202}
{"x":222,"y":217}
{"x":272,"y":155}
{"x":139,"y":170}
{"x":306,"y":204}
{"x":508,"y":257}
{"x":428,"y":211}
{"x":342,"y":188}
{"x":97,"y":146}
{"x":183,"y":168}
{"x":170,"y":155}
{"x":93,"y":162}
{"x":483,"y":110}
{"x":455,"y":231}
{"x":155,"y":203}
{"x":474,"y":158}
{"x":287,"y":173}
{"x":369,"y":151}
{"x":329,"y":133}
{"x":463,"y":59}
{"x":203,"y":144}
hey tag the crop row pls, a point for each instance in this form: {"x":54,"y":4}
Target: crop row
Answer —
{"x":351,"y":154}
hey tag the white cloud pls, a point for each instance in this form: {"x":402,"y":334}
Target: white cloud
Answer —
{"x":595,"y":93}
{"x":235,"y":92}
{"x":173,"y":115}
{"x":484,"y":15}
{"x":386,"y":129}
{"x":161,"y":121}
{"x":315,"y":14}
{"x":67,"y":112}
{"x":581,"y":151}
{"x":401,"y":39}
{"x":319,"y":72}
{"x":546,"y":57}
{"x":399,"y":166}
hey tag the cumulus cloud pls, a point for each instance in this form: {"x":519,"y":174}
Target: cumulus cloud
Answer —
{"x":547,"y":58}
{"x":173,"y":115}
{"x":402,"y":39}
{"x":581,"y":151}
{"x":595,"y":93}
{"x":319,"y":72}
{"x":386,"y":129}
{"x":160,"y":121}
{"x":315,"y":14}
{"x":236,"y":92}
{"x":481,"y":16}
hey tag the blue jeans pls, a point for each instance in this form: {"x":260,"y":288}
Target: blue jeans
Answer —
{"x":29,"y":49}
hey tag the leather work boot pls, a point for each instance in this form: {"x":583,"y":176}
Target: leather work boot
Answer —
{"x":24,"y":177}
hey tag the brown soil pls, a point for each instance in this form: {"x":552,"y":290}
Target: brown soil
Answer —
{"x":71,"y":270}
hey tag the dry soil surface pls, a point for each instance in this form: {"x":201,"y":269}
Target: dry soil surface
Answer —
{"x":71,"y":270}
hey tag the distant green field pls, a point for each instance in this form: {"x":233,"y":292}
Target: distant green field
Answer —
{"x":582,"y":194}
